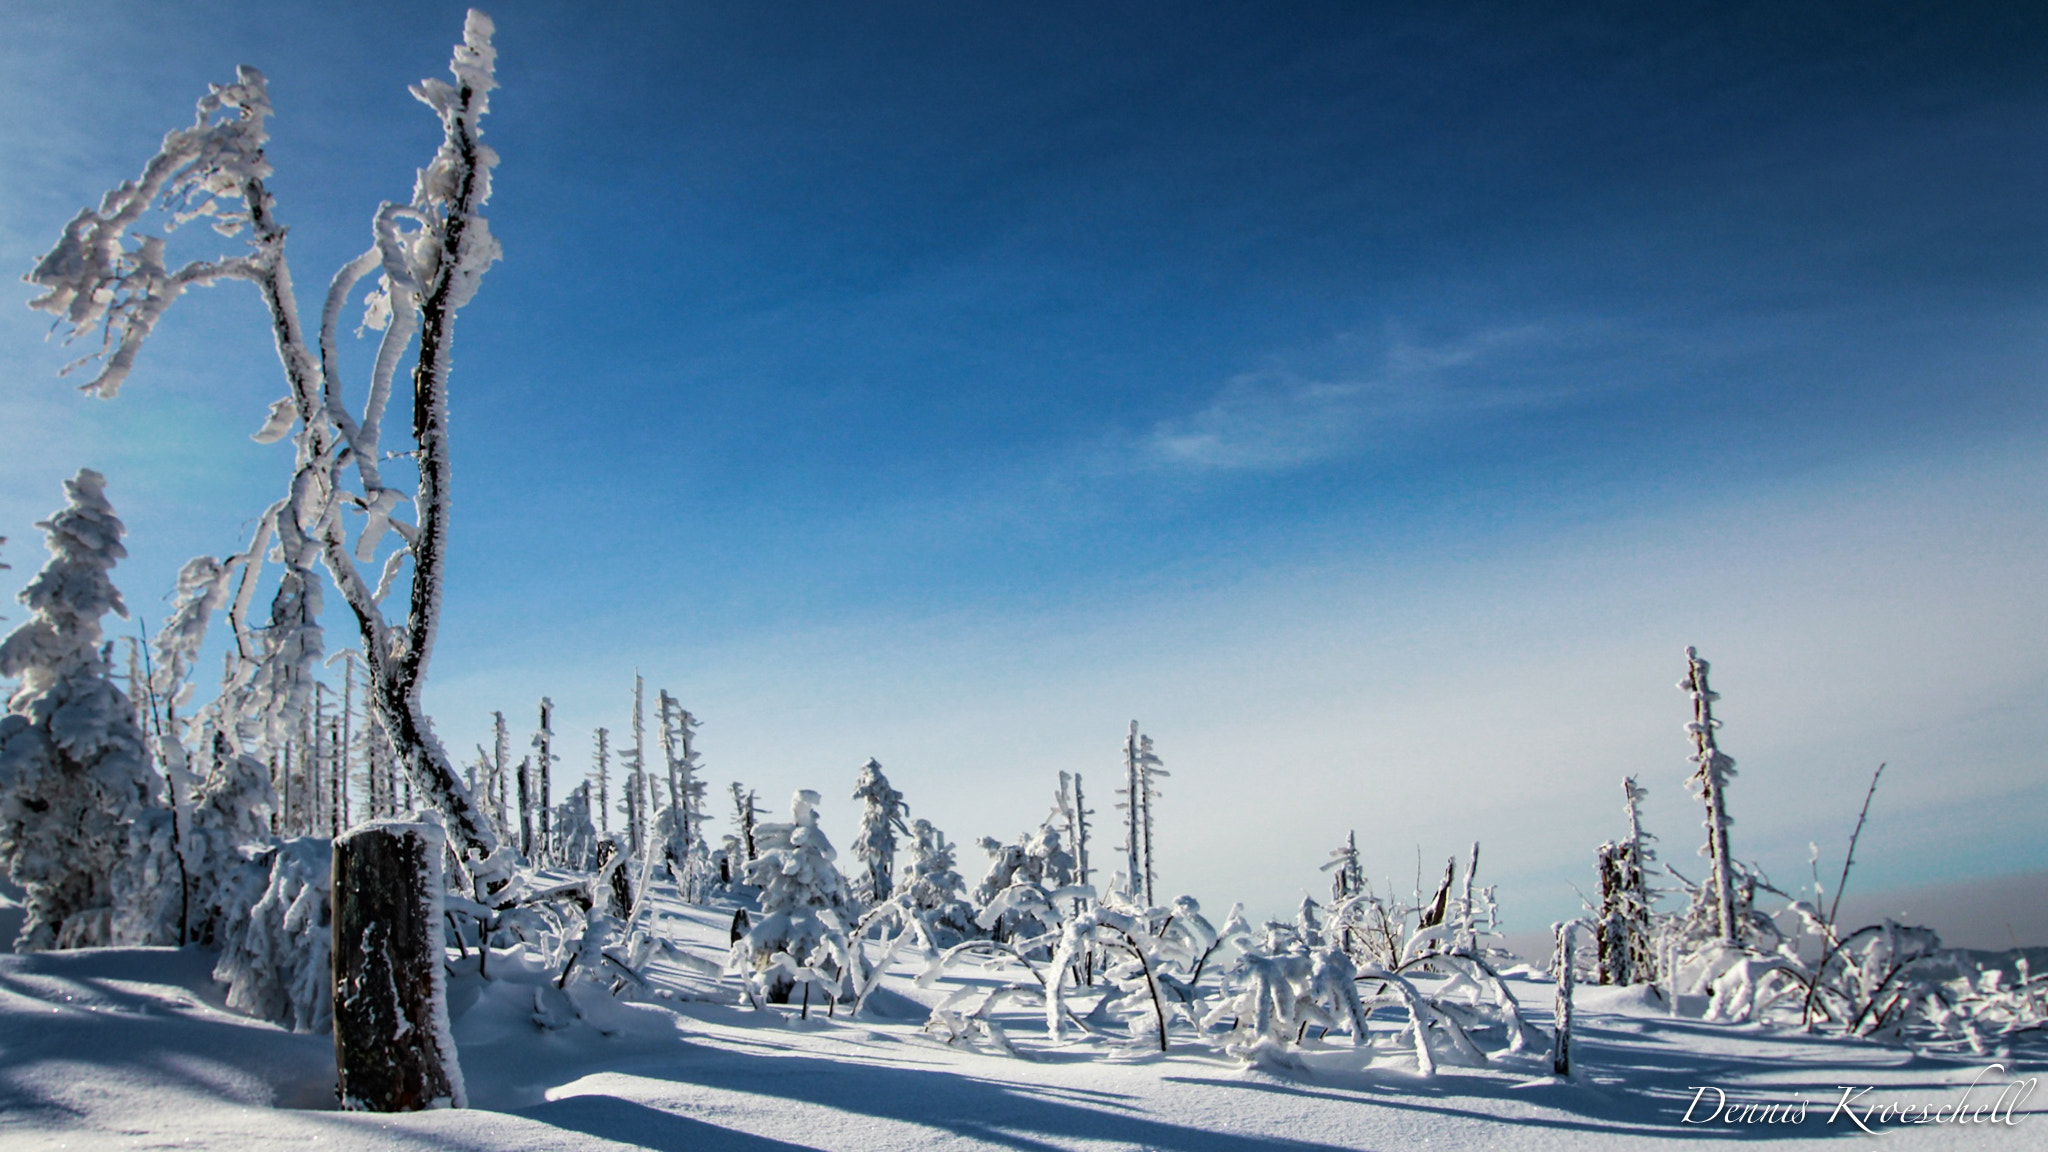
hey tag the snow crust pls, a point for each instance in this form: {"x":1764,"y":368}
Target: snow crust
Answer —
{"x":133,"y":1048}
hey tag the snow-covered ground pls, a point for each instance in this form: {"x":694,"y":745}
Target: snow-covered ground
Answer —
{"x":130,"y":1048}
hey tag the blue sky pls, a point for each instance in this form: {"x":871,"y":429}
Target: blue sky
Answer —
{"x":1373,"y":401}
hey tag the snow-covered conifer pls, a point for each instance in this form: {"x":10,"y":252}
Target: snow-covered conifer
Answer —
{"x":277,"y":937}
{"x":804,"y":899}
{"x":882,"y":816}
{"x":75,"y":778}
{"x":575,"y":837}
{"x":1307,"y":928}
{"x":934,"y":888}
{"x":1624,"y":936}
{"x":1021,"y":877}
{"x":1347,"y":876}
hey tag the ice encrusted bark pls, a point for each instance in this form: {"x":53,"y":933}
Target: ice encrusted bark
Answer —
{"x":106,"y":277}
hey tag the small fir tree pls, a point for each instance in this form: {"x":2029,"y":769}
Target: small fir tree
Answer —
{"x":933,"y":886}
{"x":1625,"y":940}
{"x":882,"y":816}
{"x":75,"y":779}
{"x":575,"y":837}
{"x":804,"y":899}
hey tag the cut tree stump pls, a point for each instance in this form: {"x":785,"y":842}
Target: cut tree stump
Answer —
{"x":393,"y":1051}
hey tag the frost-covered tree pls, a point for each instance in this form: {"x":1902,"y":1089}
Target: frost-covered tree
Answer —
{"x":682,"y":822}
{"x":1071,"y":811}
{"x":544,"y":760}
{"x":600,"y":778}
{"x":882,"y":816}
{"x":1716,"y":908}
{"x":1347,"y":876}
{"x":1141,"y":767}
{"x":934,"y":888}
{"x":804,"y":900}
{"x":75,"y":778}
{"x":428,"y":258}
{"x":746,"y":818}
{"x":230,"y":817}
{"x":575,"y":837}
{"x":1022,"y":877}
{"x":634,"y":804}
{"x":1625,"y":935}
{"x":501,"y":762}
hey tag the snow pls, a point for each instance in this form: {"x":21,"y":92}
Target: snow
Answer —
{"x":134,"y":1048}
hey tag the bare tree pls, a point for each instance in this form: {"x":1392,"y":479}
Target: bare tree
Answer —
{"x":429,"y":256}
{"x":1715,"y":769}
{"x":1141,"y":767}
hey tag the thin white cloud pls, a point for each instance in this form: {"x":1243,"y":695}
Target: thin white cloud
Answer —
{"x":1279,"y":418}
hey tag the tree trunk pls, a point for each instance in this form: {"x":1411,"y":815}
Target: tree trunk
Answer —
{"x":1561,"y":1036}
{"x":392,"y":1048}
{"x":621,"y":887}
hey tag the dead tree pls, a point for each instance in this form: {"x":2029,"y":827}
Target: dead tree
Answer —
{"x":1561,"y":1036}
{"x":1439,"y":906}
{"x":1141,"y":767}
{"x":543,"y":750}
{"x":429,"y":257}
{"x":393,"y":1051}
{"x":1715,"y":769}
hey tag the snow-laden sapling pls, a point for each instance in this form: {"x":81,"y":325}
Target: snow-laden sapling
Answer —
{"x":1625,"y":929}
{"x":278,"y":933}
{"x":75,"y":778}
{"x":804,"y":902}
{"x":573,"y":841}
{"x":881,"y":818}
{"x":1157,"y":958}
{"x":1020,"y":877}
{"x":933,"y":888}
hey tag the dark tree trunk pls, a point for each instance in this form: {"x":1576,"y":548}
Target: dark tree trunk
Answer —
{"x":621,"y":884}
{"x":1439,"y":905}
{"x":1609,"y":939}
{"x":392,"y":1049}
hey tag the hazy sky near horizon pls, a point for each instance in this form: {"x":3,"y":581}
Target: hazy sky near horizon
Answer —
{"x":1374,"y":401}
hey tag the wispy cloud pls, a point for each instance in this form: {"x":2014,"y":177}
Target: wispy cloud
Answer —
{"x":1280,"y":418}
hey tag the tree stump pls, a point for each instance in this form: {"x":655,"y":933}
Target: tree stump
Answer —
{"x":393,"y":1051}
{"x":1561,"y":1035}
